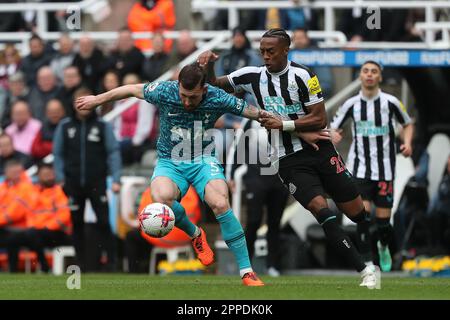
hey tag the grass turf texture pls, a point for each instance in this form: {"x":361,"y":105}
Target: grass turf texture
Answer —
{"x":120,"y":286}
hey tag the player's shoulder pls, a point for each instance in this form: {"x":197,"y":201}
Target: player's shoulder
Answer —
{"x":351,"y":101}
{"x":389,"y":97}
{"x":248,"y":70}
{"x":215,"y":93}
{"x":301,"y":70}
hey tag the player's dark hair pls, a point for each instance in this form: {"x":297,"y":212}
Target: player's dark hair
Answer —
{"x":191,"y":76}
{"x":373,"y":62}
{"x":278,"y":33}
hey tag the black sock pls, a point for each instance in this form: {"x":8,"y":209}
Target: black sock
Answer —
{"x":384,"y":229}
{"x":362,"y":221}
{"x":338,"y":239}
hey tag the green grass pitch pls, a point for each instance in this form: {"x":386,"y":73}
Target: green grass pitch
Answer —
{"x":210,"y":287}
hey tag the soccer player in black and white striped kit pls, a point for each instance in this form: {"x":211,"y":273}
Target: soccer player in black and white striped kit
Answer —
{"x":372,"y":154}
{"x":293,"y":92}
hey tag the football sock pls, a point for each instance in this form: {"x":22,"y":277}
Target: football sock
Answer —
{"x":384,"y":229}
{"x":362,"y":221}
{"x":234,"y":237}
{"x":338,"y":239}
{"x":183,"y":222}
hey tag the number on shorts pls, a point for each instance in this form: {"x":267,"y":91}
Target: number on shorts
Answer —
{"x":337,"y":161}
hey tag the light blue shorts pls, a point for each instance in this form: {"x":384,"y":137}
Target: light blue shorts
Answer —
{"x":198,"y":173}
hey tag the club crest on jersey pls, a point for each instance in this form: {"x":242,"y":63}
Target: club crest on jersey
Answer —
{"x":292,"y":86}
{"x":152,"y":86}
{"x":314,"y":86}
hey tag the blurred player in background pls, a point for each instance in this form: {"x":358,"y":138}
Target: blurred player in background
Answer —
{"x":372,"y":154}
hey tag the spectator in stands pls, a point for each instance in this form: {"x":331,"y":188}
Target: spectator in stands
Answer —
{"x":23,"y":128}
{"x":17,"y":91}
{"x":35,"y":60}
{"x":48,"y":220}
{"x":45,"y":90}
{"x":137,"y":248}
{"x":439,"y":214}
{"x":299,"y":17}
{"x":301,"y":41}
{"x":156,"y":64}
{"x":185,"y":46}
{"x":15,"y":195}
{"x":126,"y":58}
{"x":152,"y":16}
{"x":85,"y":151}
{"x":240,"y":55}
{"x":133,"y":127}
{"x":7,"y":153}
{"x":64,"y":57}
{"x":91,"y":63}
{"x":71,"y":82}
{"x":9,"y":64}
{"x":110,"y":81}
{"x":43,"y":142}
{"x":263,"y":191}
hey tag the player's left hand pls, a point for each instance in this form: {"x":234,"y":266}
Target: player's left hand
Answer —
{"x":270,"y":121}
{"x":406,"y":150}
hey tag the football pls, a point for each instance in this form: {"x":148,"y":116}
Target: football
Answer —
{"x":157,"y":220}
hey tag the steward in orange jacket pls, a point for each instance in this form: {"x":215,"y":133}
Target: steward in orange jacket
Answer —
{"x":152,"y":16}
{"x":16,"y":193}
{"x":48,"y":220}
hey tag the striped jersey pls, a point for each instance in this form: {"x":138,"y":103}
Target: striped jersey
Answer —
{"x":373,"y":150}
{"x":286,"y":93}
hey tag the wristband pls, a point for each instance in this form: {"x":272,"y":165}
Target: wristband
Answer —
{"x":289,"y":125}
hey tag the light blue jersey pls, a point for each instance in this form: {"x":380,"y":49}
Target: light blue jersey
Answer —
{"x":178,"y":126}
{"x":182,"y":137}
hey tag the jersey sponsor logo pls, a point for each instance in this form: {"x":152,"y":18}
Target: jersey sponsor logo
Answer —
{"x":314,"y":86}
{"x":369,"y":129}
{"x":277,"y":105}
{"x":152,"y":86}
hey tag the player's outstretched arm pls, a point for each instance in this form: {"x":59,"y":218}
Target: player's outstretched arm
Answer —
{"x":251,"y":112}
{"x":206,"y":60}
{"x":91,"y":102}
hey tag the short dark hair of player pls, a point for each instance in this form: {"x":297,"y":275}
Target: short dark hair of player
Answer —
{"x":191,"y":76}
{"x":280,"y":34}
{"x":373,"y":62}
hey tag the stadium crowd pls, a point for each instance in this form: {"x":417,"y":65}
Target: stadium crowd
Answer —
{"x":37,"y":95}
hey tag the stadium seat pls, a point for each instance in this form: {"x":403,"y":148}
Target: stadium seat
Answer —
{"x":172,"y":255}
{"x":59,"y":253}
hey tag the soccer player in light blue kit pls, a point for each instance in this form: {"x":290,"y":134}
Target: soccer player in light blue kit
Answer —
{"x":187,"y":108}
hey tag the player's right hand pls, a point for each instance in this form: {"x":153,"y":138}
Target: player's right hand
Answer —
{"x":336,"y":135}
{"x":313,"y":137}
{"x":206,"y":57}
{"x":86,"y":103}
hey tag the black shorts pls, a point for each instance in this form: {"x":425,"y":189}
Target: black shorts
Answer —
{"x":309,"y":173}
{"x":380,"y":192}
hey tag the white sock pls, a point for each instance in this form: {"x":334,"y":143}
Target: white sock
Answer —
{"x":242,"y":272}
{"x":196,"y":233}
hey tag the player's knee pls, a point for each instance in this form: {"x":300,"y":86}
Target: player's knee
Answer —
{"x":162,"y":197}
{"x":317,"y":204}
{"x":220,"y":205}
